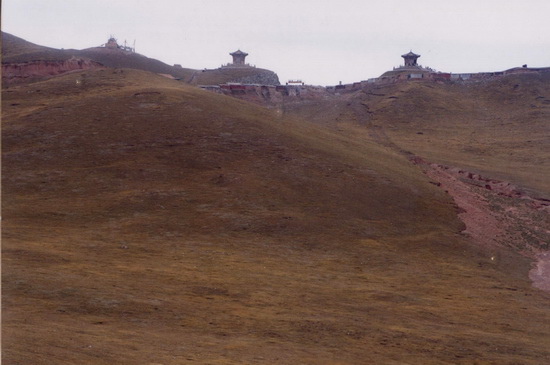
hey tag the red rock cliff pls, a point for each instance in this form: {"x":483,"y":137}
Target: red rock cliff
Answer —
{"x":19,"y":72}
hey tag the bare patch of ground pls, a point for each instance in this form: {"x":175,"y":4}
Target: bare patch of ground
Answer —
{"x":498,"y":214}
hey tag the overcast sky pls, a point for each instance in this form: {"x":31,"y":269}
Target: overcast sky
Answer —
{"x":320,"y":42}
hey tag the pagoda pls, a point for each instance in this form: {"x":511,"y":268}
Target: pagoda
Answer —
{"x":238,"y":58}
{"x":411,"y":59}
{"x":409,"y":70}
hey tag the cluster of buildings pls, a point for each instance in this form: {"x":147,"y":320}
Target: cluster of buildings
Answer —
{"x":410,"y":70}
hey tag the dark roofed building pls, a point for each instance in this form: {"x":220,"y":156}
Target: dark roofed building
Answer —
{"x":410,"y":59}
{"x":411,"y":70}
{"x":238,"y":58}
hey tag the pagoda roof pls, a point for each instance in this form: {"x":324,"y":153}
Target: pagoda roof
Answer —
{"x":410,"y":54}
{"x":238,"y":53}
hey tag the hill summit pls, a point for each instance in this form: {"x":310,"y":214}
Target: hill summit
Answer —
{"x":24,"y":61}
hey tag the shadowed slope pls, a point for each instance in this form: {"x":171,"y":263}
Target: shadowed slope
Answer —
{"x":150,"y":222}
{"x":13,"y":46}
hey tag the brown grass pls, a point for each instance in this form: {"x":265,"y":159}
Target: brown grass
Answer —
{"x":147,"y":222}
{"x":497,"y":128}
{"x":13,"y":46}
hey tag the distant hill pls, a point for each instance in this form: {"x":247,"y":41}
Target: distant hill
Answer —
{"x":16,"y":50}
{"x":14,"y":47}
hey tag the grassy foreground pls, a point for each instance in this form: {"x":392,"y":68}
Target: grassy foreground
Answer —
{"x":148,"y":222}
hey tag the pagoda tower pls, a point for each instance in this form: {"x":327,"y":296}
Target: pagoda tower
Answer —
{"x":238,"y":58}
{"x":410,"y":59}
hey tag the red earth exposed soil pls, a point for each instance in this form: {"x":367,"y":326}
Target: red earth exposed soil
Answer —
{"x":20,"y":72}
{"x":498,"y":214}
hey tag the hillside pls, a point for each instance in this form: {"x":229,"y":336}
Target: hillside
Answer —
{"x":13,"y":46}
{"x":485,"y":143}
{"x":498,"y":127}
{"x":23,"y":61}
{"x":148,"y":221}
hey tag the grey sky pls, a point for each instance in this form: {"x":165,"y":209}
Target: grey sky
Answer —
{"x":321,"y":42}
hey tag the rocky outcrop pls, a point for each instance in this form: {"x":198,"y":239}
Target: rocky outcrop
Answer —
{"x":32,"y":70}
{"x":273,"y":96}
{"x":261,"y":78}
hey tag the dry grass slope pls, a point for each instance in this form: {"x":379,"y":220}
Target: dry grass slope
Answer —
{"x":146,"y":221}
{"x":13,"y":46}
{"x":497,"y":128}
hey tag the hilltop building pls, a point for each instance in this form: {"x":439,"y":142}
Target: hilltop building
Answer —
{"x":410,"y":63}
{"x":411,"y":59}
{"x":409,"y":70}
{"x":238,"y":58}
{"x":113,"y":44}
